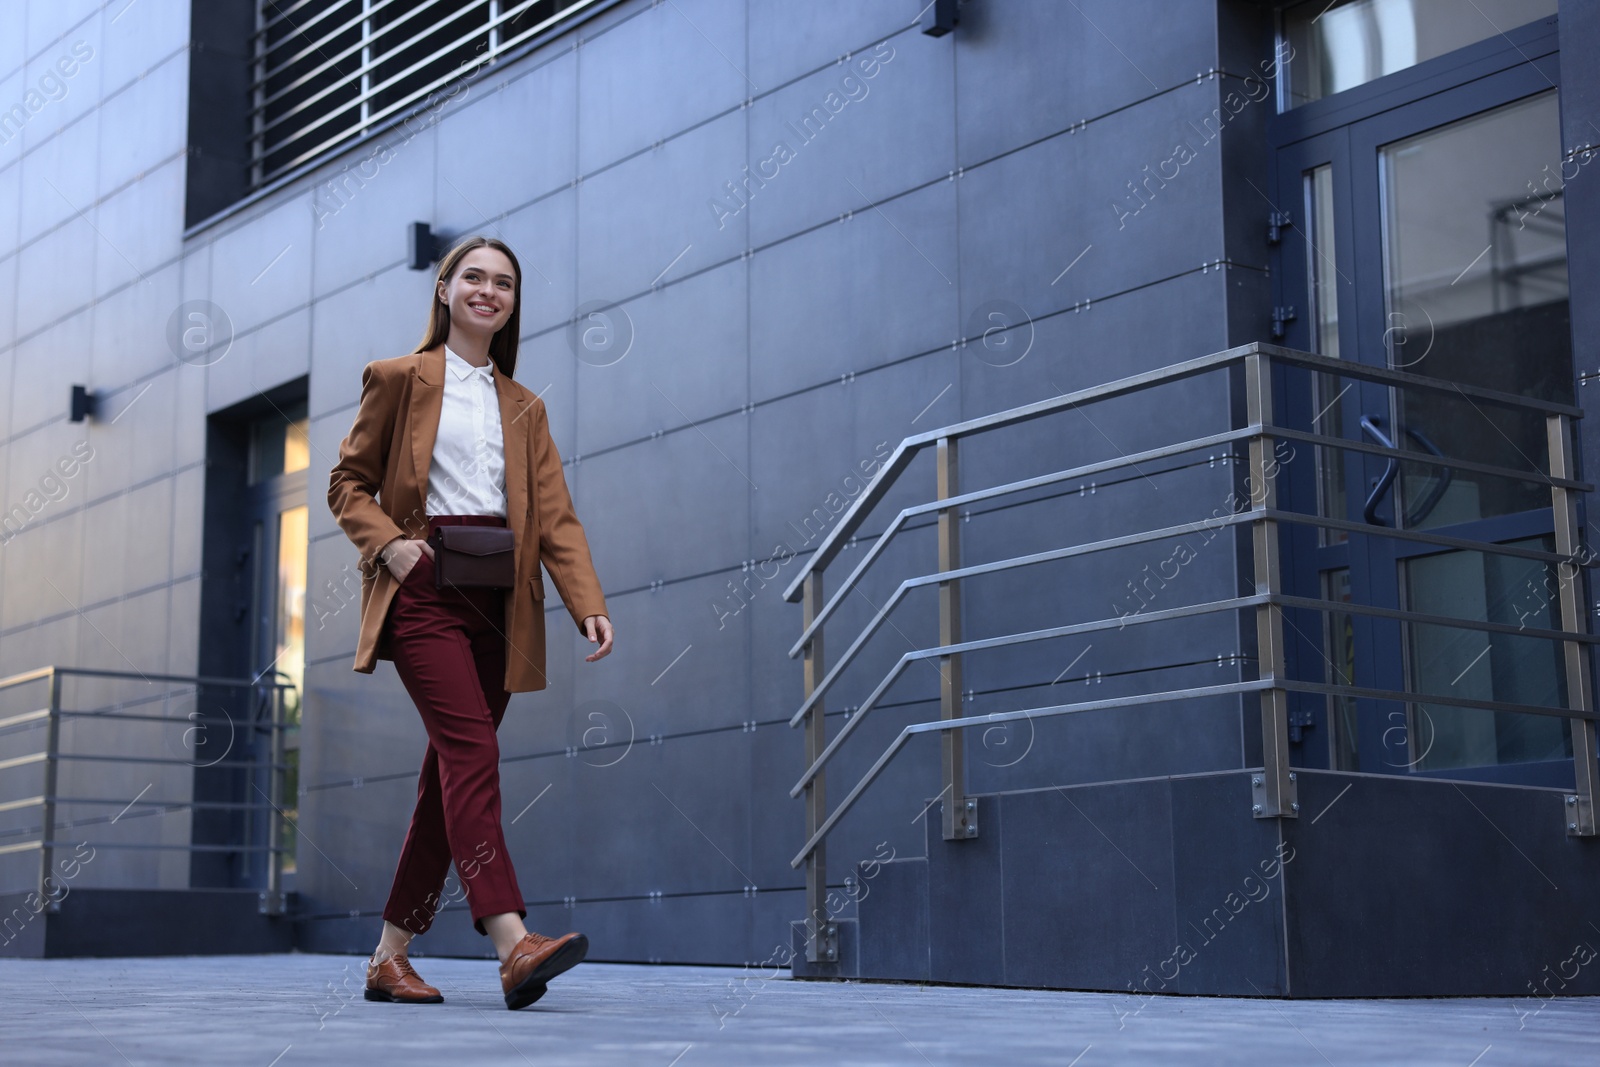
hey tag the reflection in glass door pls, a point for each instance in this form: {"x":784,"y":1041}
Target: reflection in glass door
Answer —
{"x":1484,"y":666}
{"x":289,"y":640}
{"x":1475,"y":268}
{"x":1475,"y":288}
{"x":1429,"y":237}
{"x":279,"y":456}
{"x":1343,"y":44}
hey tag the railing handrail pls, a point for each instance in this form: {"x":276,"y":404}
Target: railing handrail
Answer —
{"x":1048,"y":633}
{"x":909,"y":731}
{"x":1261,"y":364}
{"x":972,"y":570}
{"x":1192,"y":445}
{"x":148,"y":676}
{"x":901,"y":457}
{"x":1285,"y":600}
{"x":274,"y":764}
{"x":1110,"y":703}
{"x":1019,"y":486}
{"x":1145,"y":536}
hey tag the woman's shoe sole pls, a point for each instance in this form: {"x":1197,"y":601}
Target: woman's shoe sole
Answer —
{"x":533,"y":987}
{"x":378,"y":994}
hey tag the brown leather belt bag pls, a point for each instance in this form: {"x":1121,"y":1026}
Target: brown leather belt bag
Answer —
{"x":473,"y":556}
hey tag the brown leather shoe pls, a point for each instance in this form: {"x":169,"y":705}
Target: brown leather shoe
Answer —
{"x":394,"y":980}
{"x":534,"y":961}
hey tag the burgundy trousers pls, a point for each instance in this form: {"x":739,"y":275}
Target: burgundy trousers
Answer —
{"x":449,"y":650}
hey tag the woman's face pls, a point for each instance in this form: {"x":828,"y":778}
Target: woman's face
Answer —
{"x":480,"y":294}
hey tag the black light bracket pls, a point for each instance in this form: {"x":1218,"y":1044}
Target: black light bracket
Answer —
{"x":940,"y":17}
{"x":85,"y":405}
{"x":423,"y":245}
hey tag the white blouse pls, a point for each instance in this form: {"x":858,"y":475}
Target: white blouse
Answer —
{"x":467,"y":474}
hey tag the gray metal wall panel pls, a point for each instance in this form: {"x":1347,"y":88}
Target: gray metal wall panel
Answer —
{"x":123,"y":356}
{"x":788,"y":42}
{"x":863,"y":130}
{"x":882,"y":295}
{"x":545,"y":365}
{"x":250,"y":286}
{"x":645,"y":218}
{"x":814,"y":450}
{"x":656,"y":74}
{"x":528,"y":129}
{"x":689,"y":677}
{"x":360,"y":220}
{"x":856,"y":294}
{"x":544,"y":235}
{"x":346,"y":336}
{"x":673,"y":506}
{"x":275,"y":351}
{"x":139,"y":132}
{"x":658,"y":361}
{"x":1028,"y":70}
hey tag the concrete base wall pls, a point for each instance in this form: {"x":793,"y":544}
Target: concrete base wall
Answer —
{"x":142,"y":922}
{"x":1384,"y":886}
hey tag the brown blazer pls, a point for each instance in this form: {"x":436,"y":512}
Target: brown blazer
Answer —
{"x":387,"y":454}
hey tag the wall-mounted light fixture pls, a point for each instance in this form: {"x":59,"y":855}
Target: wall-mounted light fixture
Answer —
{"x":85,"y":405}
{"x":940,"y":17}
{"x":423,"y":245}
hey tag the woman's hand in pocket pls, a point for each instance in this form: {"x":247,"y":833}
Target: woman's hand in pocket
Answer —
{"x":402,"y":554}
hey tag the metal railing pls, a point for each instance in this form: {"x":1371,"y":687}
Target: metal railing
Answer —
{"x":1274,"y":789}
{"x":254,"y":751}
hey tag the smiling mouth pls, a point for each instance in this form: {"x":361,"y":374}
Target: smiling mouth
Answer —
{"x":483,"y":309}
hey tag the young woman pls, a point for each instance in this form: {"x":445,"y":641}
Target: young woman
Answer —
{"x":445,"y":436}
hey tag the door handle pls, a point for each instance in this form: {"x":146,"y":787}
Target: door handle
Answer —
{"x":1371,"y":425}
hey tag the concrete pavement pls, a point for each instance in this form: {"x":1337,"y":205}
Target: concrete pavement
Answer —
{"x":296,"y":1009}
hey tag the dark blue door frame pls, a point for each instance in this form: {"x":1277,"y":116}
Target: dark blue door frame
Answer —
{"x":1345,"y":133}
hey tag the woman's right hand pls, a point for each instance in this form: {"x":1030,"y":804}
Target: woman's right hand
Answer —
{"x":401,"y":554}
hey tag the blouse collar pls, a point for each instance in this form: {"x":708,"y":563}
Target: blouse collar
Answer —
{"x":462,"y":369}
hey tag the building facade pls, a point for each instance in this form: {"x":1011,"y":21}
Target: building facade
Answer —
{"x":763,"y":245}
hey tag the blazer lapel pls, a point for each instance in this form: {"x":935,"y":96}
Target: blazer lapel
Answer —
{"x":515,"y":430}
{"x":422,"y":416}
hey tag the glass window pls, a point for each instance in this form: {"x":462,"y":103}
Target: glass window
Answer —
{"x":1320,"y":255}
{"x":280,"y":443}
{"x":289,"y":661}
{"x":1338,"y":47}
{"x":1323,"y":272}
{"x":1448,"y":661}
{"x":1475,"y":276}
{"x":290,"y":630}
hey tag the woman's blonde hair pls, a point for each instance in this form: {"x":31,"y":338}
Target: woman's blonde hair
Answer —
{"x":503,"y":346}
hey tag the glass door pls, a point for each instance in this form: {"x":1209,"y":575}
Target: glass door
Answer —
{"x":279,"y":456}
{"x":1428,"y":237}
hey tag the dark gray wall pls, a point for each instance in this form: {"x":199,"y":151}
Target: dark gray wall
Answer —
{"x":105,"y":569}
{"x":775,"y":344}
{"x":773,"y":348}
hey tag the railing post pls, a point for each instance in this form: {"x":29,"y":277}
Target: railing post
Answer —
{"x":1580,"y":804}
{"x":47,"y":828}
{"x":822,"y":936}
{"x":960,"y":811}
{"x":1273,"y":793}
{"x":272,"y":903}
